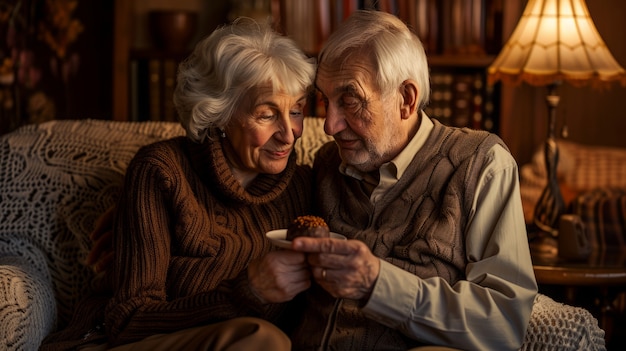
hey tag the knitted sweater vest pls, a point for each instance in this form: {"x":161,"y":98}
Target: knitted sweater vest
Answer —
{"x":417,"y":225}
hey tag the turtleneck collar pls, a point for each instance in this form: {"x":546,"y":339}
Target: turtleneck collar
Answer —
{"x":209,"y":161}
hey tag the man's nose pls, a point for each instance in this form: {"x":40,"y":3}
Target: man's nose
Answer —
{"x":335,"y":121}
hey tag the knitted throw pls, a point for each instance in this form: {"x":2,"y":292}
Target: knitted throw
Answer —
{"x":555,"y":326}
{"x":55,"y":180}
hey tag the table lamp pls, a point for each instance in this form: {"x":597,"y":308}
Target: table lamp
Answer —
{"x":555,"y":41}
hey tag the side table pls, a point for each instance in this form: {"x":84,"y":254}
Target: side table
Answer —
{"x":604,"y":271}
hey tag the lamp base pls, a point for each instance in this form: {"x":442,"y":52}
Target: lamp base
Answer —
{"x":551,"y":205}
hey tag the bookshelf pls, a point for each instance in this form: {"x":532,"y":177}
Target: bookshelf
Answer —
{"x":460,"y":95}
{"x":461,"y":38}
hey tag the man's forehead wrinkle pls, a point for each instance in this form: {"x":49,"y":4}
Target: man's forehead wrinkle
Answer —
{"x":349,"y":86}
{"x":336,"y":83}
{"x":350,"y":76}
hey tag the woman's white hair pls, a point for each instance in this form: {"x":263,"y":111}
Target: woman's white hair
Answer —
{"x":396,"y":51}
{"x":227,"y":64}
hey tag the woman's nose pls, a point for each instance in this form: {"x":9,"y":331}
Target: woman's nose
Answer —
{"x":286,"y":131}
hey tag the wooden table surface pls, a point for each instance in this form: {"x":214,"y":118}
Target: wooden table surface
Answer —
{"x":602,"y":269}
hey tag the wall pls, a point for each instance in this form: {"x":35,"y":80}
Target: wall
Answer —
{"x":593,"y":117}
{"x":55,"y":61}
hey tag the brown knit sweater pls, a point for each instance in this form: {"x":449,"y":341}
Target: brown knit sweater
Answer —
{"x":417,"y":225}
{"x":185,"y":231}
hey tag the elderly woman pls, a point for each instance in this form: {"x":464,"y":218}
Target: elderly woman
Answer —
{"x":194,"y":210}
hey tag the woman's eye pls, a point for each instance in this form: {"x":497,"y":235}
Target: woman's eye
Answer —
{"x":295,"y":113}
{"x":267,"y":116}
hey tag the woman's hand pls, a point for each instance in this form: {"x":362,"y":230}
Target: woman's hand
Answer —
{"x":279,"y":276}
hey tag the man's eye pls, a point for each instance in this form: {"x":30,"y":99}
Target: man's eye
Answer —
{"x":350,"y":101}
{"x":295,"y":113}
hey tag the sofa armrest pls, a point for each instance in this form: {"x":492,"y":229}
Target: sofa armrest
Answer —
{"x":557,"y":326}
{"x":27,"y":305}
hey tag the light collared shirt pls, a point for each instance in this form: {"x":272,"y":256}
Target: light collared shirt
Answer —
{"x":432,"y":310}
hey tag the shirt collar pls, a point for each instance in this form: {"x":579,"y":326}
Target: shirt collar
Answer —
{"x":395,"y":168}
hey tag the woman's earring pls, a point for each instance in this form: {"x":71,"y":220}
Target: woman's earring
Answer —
{"x":223,"y":135}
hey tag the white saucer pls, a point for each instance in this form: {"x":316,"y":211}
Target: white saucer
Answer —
{"x":277,"y":237}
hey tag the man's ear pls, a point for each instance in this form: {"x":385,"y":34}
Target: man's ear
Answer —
{"x":409,"y":93}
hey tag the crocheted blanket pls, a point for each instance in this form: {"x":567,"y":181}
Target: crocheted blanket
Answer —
{"x":555,"y":326}
{"x":56,"y":179}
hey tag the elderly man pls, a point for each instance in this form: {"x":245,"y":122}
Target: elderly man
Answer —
{"x":437,"y":251}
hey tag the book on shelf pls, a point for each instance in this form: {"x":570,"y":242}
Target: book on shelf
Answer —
{"x":462,"y":27}
{"x":440,"y":106}
{"x":154,"y":89}
{"x":467,"y":27}
{"x":462,"y":95}
{"x":461,"y":98}
{"x":169,"y":84}
{"x":152,"y":83}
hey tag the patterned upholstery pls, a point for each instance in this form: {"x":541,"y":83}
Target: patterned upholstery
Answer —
{"x":593,"y":182}
{"x":581,"y":167}
{"x":603,"y":211}
{"x":57,"y":178}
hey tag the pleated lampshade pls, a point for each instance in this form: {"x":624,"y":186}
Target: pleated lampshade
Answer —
{"x":556,"y":40}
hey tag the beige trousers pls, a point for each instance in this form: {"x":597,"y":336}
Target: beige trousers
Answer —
{"x":237,"y":334}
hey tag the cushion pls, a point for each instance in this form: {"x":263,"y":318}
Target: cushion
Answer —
{"x":603,"y":212}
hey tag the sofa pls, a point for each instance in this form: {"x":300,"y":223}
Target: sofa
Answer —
{"x":57,"y":178}
{"x":592,"y":180}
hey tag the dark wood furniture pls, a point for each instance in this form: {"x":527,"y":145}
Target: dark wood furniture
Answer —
{"x":597,"y":283}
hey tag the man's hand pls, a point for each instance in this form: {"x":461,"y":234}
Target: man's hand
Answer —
{"x":344,"y":268}
{"x":279,"y":276}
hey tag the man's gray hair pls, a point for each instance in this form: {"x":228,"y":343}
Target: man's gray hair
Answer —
{"x":396,"y":51}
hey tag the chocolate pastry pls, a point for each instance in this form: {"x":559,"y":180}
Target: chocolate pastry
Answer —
{"x":311,"y":226}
